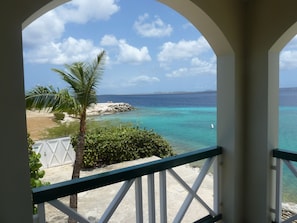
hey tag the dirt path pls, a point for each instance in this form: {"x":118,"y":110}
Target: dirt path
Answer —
{"x":38,"y":122}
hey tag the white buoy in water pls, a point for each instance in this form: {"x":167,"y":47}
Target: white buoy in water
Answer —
{"x":212,"y":125}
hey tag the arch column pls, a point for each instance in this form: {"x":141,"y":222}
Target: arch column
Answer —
{"x":230,"y":137}
{"x":261,"y":134}
{"x":15,"y":190}
{"x":265,"y":25}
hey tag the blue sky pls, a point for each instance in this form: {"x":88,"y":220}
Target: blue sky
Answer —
{"x":150,"y":48}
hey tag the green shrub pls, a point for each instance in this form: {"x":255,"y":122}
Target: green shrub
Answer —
{"x":114,"y":144}
{"x":59,"y":116}
{"x":62,"y":130}
{"x":34,"y":163}
{"x":70,"y":128}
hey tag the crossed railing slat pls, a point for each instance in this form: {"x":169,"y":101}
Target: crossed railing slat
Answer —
{"x":287,"y":158}
{"x":134,"y":175}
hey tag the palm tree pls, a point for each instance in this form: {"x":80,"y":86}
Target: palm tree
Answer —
{"x":82,"y":79}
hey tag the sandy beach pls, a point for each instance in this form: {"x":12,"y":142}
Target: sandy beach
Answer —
{"x":39,"y":121}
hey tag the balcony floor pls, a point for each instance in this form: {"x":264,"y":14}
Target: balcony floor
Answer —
{"x":93,"y":203}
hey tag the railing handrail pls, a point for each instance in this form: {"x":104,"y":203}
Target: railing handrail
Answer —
{"x":62,"y":189}
{"x":284,"y":154}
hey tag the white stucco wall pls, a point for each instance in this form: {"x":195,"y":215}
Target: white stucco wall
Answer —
{"x":246,"y":36}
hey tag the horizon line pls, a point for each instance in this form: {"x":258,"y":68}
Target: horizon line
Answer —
{"x":180,"y":92}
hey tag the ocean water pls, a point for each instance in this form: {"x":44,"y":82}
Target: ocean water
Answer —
{"x":184,"y":120}
{"x":188,"y":122}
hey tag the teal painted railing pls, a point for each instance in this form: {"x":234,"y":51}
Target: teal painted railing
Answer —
{"x":129,"y":175}
{"x":283,"y":157}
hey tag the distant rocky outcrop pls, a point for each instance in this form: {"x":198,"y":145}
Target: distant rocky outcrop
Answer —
{"x":108,"y":108}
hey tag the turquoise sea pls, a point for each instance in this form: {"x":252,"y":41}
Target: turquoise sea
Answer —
{"x":185,"y":128}
{"x":188,"y":122}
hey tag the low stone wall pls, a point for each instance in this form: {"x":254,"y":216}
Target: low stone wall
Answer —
{"x":109,"y":108}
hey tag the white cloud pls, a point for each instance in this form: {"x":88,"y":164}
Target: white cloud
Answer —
{"x":203,"y":65}
{"x":42,"y":37}
{"x":82,"y":11}
{"x":142,"y":79}
{"x":68,"y":51}
{"x":153,"y":28}
{"x":47,"y":28}
{"x":288,"y":56}
{"x":188,"y":25}
{"x":131,"y":54}
{"x":128,"y":83}
{"x":183,"y":49}
{"x":197,"y":67}
{"x":109,"y":40}
{"x":125,"y":52}
{"x":181,"y":72}
{"x":288,"y":59}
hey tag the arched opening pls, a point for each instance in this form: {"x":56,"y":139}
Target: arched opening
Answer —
{"x":225,"y":67}
{"x":233,"y":115}
{"x":287,"y":110}
{"x":181,"y":61}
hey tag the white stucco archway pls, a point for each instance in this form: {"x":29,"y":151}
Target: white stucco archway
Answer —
{"x":226,"y":88}
{"x":227,"y":82}
{"x":246,"y":36}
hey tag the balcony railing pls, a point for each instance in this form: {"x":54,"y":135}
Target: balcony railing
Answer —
{"x":287,"y":158}
{"x":134,"y":174}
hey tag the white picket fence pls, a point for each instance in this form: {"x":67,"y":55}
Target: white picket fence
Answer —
{"x":55,"y":152}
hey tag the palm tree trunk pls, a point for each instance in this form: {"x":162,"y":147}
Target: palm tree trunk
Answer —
{"x":78,"y":161}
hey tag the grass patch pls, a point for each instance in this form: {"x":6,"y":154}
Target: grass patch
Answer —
{"x":71,"y":128}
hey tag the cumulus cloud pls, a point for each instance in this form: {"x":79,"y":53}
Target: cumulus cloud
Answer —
{"x":196,"y":53}
{"x":82,"y":11}
{"x":192,"y":71}
{"x":197,"y":67}
{"x":288,"y":59}
{"x":142,"y":79}
{"x":188,"y":25}
{"x":183,"y":49}
{"x":126,"y":53}
{"x":288,"y":56}
{"x":42,"y":37}
{"x":68,"y":51}
{"x":181,"y":72}
{"x":47,"y":28}
{"x":152,"y":28}
{"x":204,"y":65}
{"x":130,"y":54}
{"x":109,"y":40}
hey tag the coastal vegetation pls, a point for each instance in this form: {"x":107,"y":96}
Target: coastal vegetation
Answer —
{"x":65,"y":129}
{"x":36,"y":174}
{"x":109,"y":142}
{"x":117,"y":143}
{"x":95,"y":144}
{"x":82,"y":79}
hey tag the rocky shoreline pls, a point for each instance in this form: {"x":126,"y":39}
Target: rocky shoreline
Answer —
{"x":103,"y":109}
{"x":93,"y":110}
{"x":108,"y":108}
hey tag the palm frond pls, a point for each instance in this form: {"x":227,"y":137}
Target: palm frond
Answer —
{"x":41,"y":97}
{"x":83,"y":79}
{"x":51,"y":99}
